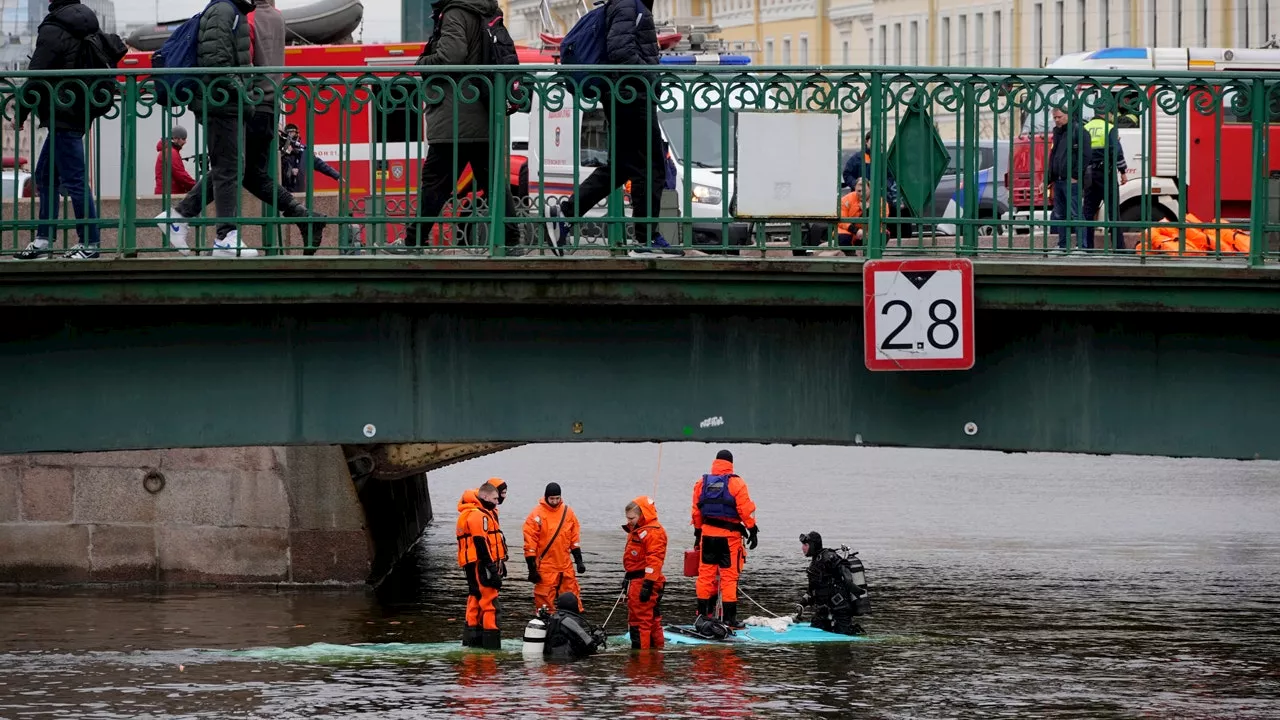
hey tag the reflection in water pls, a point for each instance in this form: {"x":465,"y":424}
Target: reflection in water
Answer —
{"x":1005,"y":585}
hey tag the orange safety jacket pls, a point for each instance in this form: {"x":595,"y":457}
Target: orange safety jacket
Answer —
{"x":475,"y":525}
{"x":746,"y":509}
{"x":646,"y":549}
{"x":551,"y":535}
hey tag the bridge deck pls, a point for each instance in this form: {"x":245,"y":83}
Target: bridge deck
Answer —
{"x":1067,"y":284}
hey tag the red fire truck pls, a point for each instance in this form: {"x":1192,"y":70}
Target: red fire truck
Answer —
{"x":1215,"y":167}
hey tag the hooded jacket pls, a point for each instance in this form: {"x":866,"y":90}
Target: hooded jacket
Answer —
{"x":57,"y":47}
{"x":223,"y":42}
{"x":738,"y":489}
{"x":480,"y":538}
{"x":459,"y":43}
{"x":267,"y":36}
{"x":540,"y":528}
{"x":646,"y":549}
{"x":180,"y":181}
{"x":632,"y":36}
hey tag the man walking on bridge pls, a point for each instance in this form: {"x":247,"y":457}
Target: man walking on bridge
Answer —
{"x":722,"y":514}
{"x":551,"y":536}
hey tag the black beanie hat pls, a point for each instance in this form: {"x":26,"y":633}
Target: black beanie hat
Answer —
{"x":724,"y":455}
{"x":553,"y":489}
{"x":568,"y":602}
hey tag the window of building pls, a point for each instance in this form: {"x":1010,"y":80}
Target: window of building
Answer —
{"x":786,"y":50}
{"x":768,"y":51}
{"x":845,"y":59}
{"x":1177,"y":23}
{"x":1126,"y":24}
{"x":1153,"y":25}
{"x":1104,"y":14}
{"x":1059,"y":22}
{"x":944,"y":41}
{"x":1203,"y":25}
{"x":1039,"y":12}
{"x":1082,"y":9}
{"x":915,"y":43}
{"x":804,"y":49}
{"x":884,"y":45}
{"x":962,"y":40}
{"x":997,"y":37}
{"x":980,"y":40}
{"x":1242,"y":13}
{"x":897,"y":43}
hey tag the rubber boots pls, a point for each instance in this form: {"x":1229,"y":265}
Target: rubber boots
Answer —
{"x":471,"y":636}
{"x":731,"y":616}
{"x":635,"y":637}
{"x":312,"y":233}
{"x":704,"y":608}
{"x":491,"y":639}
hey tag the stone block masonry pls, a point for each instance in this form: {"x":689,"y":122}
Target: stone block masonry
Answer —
{"x":224,"y":516}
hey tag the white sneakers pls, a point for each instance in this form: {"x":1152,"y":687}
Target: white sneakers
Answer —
{"x":175,"y":230}
{"x":230,"y":246}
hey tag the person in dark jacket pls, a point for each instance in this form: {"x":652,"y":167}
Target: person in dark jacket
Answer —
{"x":859,"y":166}
{"x":294,"y":155}
{"x":223,"y":42}
{"x":266,"y":29}
{"x":1067,"y":160}
{"x":171,"y":172}
{"x":632,"y":39}
{"x":458,"y":41}
{"x":1104,"y":176}
{"x":569,"y":635}
{"x":60,"y":167}
{"x":833,"y":593}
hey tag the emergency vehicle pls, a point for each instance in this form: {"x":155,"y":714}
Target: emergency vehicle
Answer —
{"x":1217,"y":158}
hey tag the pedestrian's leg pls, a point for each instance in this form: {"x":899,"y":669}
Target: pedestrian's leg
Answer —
{"x":1059,"y":211}
{"x":479,"y":154}
{"x":435,"y":187}
{"x":223,"y":135}
{"x":1074,"y":212}
{"x":70,"y":162}
{"x":46,"y":187}
{"x":1092,"y":203}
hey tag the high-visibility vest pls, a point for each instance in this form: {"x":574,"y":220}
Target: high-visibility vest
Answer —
{"x":1099,"y":130}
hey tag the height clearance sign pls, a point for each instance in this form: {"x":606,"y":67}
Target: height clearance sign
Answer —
{"x":918,"y":314}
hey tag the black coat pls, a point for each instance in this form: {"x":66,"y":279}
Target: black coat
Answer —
{"x":1070,"y":153}
{"x":632,"y":38}
{"x":57,"y":48}
{"x":570,"y":636}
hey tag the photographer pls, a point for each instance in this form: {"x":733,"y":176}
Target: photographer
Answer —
{"x":293,"y":158}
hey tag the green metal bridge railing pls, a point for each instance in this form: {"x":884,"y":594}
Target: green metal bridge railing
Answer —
{"x":978,"y":141}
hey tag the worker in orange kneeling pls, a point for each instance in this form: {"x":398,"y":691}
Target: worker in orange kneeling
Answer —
{"x":642,"y":559}
{"x":722,"y":514}
{"x":551,"y":536}
{"x":482,"y":555}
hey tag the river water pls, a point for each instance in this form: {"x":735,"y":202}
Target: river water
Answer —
{"x":1004,"y":585}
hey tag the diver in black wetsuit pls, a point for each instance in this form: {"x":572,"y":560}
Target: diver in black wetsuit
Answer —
{"x":569,"y":635}
{"x":837,"y":587}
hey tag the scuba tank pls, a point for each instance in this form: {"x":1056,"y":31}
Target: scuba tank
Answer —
{"x":535,"y":638}
{"x":854,"y":575}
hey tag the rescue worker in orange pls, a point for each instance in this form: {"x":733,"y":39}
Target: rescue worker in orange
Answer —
{"x":551,"y":535}
{"x":722,"y":514}
{"x":642,"y":559}
{"x":482,"y":555}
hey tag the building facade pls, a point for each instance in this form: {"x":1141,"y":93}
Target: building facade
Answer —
{"x":951,"y":33}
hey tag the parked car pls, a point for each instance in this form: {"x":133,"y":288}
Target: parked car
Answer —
{"x":15,"y":180}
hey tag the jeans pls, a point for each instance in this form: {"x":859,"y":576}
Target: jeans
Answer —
{"x":65,"y":170}
{"x":639,"y":158}
{"x":1066,"y":206}
{"x":439,"y":178}
{"x":224,"y":151}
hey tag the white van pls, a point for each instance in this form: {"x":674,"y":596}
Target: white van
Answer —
{"x":707,"y":170}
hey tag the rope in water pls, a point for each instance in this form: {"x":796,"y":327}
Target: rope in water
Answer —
{"x":753,"y":602}
{"x":615,"y":607}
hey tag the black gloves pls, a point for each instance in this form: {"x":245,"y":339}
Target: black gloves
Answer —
{"x":646,"y":591}
{"x":577,"y":560}
{"x":534,"y":577}
{"x":697,"y":537}
{"x":490,"y":575}
{"x":751,"y":537}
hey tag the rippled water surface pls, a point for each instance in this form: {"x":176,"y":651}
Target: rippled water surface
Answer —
{"x":1005,"y":585}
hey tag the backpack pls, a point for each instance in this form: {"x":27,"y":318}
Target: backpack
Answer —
{"x":180,"y":50}
{"x":97,"y":51}
{"x":498,"y":47}
{"x":586,"y":43}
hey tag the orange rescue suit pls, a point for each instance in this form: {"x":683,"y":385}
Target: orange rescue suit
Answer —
{"x":642,"y":559}
{"x":482,"y":552}
{"x":852,"y":205}
{"x":722,"y":559}
{"x":551,"y":534}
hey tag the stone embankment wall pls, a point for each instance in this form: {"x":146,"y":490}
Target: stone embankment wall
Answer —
{"x":229,"y":515}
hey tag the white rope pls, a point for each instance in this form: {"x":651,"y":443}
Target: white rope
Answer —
{"x":753,"y":602}
{"x":615,"y":607}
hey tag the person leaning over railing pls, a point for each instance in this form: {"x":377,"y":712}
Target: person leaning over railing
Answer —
{"x":64,"y":110}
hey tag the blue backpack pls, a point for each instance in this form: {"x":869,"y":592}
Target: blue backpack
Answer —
{"x":180,"y":50}
{"x":586,"y":44}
